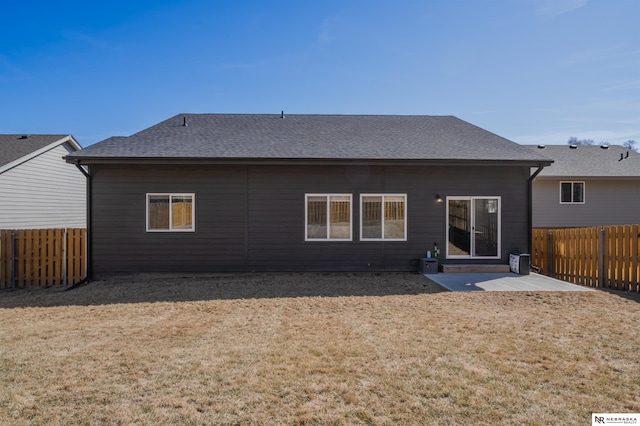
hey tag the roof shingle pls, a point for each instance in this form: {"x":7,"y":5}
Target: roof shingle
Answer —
{"x":13,"y":147}
{"x":589,"y":161}
{"x":261,"y":136}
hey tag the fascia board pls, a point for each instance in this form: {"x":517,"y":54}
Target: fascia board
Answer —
{"x":299,"y":161}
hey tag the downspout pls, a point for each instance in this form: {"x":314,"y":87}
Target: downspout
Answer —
{"x":88,"y":217}
{"x":530,"y":214}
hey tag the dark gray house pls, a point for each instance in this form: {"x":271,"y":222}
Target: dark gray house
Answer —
{"x":218,"y":192}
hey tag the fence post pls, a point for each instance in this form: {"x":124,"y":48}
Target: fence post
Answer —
{"x":13,"y":260}
{"x":65,"y":247}
{"x":552,"y":265}
{"x":601,"y":259}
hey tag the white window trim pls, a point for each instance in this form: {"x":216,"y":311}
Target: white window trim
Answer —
{"x":584,"y":191}
{"x":406,"y":214}
{"x":328,"y":238}
{"x":472,"y":248}
{"x":171,"y":195}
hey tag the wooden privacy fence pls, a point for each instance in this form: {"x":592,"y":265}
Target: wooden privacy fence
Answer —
{"x":606,"y":256}
{"x":42,"y":257}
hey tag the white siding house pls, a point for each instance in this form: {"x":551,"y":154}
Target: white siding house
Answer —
{"x":38,"y":189}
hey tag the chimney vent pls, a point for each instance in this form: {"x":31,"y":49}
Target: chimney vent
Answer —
{"x":184,"y":122}
{"x":281,"y":114}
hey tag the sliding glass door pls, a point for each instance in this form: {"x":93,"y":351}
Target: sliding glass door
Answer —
{"x":473,"y":227}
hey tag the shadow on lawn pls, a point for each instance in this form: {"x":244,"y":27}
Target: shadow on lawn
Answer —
{"x":149,"y":288}
{"x":630,"y":295}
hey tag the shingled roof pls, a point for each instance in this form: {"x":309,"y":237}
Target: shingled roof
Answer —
{"x":14,"y":147}
{"x":309,"y":137}
{"x":612,"y":161}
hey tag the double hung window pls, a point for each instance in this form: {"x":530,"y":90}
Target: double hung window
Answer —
{"x":170,"y":212}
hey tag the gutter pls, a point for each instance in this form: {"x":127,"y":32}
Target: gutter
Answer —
{"x":84,"y":172}
{"x":88,"y":217}
{"x":277,"y":161}
{"x":530,"y":212}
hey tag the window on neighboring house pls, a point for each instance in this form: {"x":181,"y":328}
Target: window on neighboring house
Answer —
{"x":383,"y":217}
{"x":572,"y":192}
{"x":328,"y":217}
{"x":170,"y":212}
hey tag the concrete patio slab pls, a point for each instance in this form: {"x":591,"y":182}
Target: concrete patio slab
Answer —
{"x":501,"y":281}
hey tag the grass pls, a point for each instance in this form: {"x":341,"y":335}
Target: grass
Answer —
{"x":313,"y":349}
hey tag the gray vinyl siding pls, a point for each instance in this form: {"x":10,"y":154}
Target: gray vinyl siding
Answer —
{"x":607,"y":202}
{"x":251,"y":218}
{"x":43,"y":192}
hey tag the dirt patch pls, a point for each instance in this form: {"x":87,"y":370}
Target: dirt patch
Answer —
{"x":138,"y":288}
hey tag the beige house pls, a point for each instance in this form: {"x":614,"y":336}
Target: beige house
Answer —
{"x":587,"y":185}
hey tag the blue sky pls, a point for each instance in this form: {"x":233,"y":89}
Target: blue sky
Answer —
{"x":533,"y":71}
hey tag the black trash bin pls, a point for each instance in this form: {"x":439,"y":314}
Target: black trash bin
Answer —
{"x":429,"y":265}
{"x":520,"y":263}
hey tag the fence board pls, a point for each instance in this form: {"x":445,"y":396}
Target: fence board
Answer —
{"x":43,"y":257}
{"x":540,"y":251}
{"x":615,"y":259}
{"x":5,"y":256}
{"x":558,"y":252}
{"x":608,"y":258}
{"x":634,"y":275}
{"x":78,"y":272}
{"x":587,"y":250}
{"x":573,"y":255}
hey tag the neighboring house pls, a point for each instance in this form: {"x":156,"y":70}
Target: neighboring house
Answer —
{"x":215,"y":192}
{"x":587,"y":185}
{"x":38,"y":189}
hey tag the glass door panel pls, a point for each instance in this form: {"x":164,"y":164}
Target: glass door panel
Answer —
{"x":459,"y":228}
{"x":485,"y":229}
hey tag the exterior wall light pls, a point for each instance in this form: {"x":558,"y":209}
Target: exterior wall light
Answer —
{"x":438,"y":198}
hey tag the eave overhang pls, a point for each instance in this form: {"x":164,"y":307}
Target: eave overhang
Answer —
{"x":301,"y":161}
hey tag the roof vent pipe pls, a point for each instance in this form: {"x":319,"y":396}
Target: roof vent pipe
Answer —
{"x":627,"y":155}
{"x":542,"y":146}
{"x":621,"y":157}
{"x":605,"y":146}
{"x":184,"y":121}
{"x":24,"y":136}
{"x":281,"y":114}
{"x":573,"y":146}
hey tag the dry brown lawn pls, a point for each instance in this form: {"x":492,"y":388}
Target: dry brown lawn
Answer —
{"x":313,"y":349}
